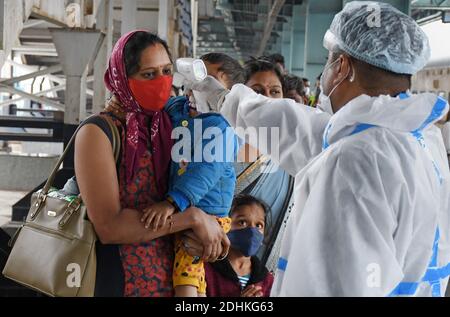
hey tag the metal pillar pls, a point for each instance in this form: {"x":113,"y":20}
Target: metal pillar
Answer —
{"x":129,"y":12}
{"x":194,"y":23}
{"x":286,"y":44}
{"x":105,"y":25}
{"x":278,"y":46}
{"x":317,"y":23}
{"x":298,"y":39}
{"x":3,"y":25}
{"x":272,"y":18}
{"x":76,"y":48}
{"x":163,"y":19}
{"x":12,"y":17}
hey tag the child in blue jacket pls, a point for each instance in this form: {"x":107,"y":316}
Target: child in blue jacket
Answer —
{"x":202,"y":176}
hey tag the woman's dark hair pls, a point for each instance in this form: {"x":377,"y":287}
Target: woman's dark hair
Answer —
{"x":228,"y":65}
{"x":136,"y":44}
{"x":248,"y":200}
{"x":276,"y":58}
{"x":292,"y":82}
{"x":256,"y":65}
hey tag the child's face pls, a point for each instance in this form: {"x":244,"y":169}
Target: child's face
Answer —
{"x":248,"y":216}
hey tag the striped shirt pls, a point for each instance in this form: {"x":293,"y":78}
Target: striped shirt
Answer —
{"x":244,"y":280}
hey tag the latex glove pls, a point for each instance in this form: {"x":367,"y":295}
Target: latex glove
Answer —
{"x":209,"y":94}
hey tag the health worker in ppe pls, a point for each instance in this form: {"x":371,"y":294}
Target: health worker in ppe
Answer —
{"x":372,"y":186}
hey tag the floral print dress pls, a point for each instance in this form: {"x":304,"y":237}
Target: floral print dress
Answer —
{"x":147,"y":266}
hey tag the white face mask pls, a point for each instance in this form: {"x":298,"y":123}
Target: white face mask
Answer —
{"x":307,"y":91}
{"x":324,"y":100}
{"x":324,"y":103}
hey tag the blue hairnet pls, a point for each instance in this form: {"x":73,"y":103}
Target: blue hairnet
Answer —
{"x":380,"y":35}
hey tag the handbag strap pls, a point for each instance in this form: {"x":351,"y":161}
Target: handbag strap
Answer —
{"x":249,"y":175}
{"x":115,"y":137}
{"x":115,"y":146}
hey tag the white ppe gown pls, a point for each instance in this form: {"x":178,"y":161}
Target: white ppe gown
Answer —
{"x":446,"y":136}
{"x":372,"y":192}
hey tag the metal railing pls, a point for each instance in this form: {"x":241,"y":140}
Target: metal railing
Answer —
{"x":50,"y":120}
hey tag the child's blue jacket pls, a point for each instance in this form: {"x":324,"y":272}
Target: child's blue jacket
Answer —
{"x":203,"y":173}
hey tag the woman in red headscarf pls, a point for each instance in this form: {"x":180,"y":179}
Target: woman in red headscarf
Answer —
{"x":140,"y":76}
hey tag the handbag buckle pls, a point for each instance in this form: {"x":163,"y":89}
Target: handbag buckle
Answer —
{"x":72,"y":208}
{"x":38,"y":205}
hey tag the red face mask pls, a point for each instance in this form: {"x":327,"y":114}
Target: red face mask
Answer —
{"x":151,"y":94}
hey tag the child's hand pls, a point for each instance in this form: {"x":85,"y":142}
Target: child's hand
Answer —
{"x":156,"y":216}
{"x":252,"y":291}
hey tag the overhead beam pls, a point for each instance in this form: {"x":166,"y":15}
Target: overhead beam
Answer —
{"x":35,"y":50}
{"x":443,"y":8}
{"x":26,"y":95}
{"x":39,"y":16}
{"x":50,"y":77}
{"x":39,"y":94}
{"x":276,"y":8}
{"x":46,"y":71}
{"x":31,"y":68}
{"x":402,"y":5}
{"x":32,"y":23}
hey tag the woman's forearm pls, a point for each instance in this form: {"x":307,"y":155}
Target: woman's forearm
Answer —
{"x":126,"y":227}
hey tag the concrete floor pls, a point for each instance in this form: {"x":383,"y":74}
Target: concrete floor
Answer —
{"x":7,"y":199}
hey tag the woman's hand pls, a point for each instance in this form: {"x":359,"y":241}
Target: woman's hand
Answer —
{"x":252,"y":291}
{"x":194,"y":245}
{"x":114,"y":106}
{"x":191,"y":244}
{"x":207,"y":239}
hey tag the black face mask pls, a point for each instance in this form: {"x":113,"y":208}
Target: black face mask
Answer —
{"x":247,"y":241}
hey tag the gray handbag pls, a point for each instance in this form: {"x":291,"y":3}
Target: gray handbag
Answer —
{"x":54,"y":251}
